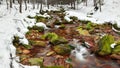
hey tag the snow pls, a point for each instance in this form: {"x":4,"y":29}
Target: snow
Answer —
{"x":14,"y":23}
{"x":110,"y":12}
{"x":113,"y":45}
{"x":11,"y":23}
{"x":24,"y":41}
{"x":39,"y":24}
{"x":67,"y":18}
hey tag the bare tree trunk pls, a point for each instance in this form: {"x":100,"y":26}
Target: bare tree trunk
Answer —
{"x":86,"y":2}
{"x":7,"y":3}
{"x":71,"y":5}
{"x":100,"y":5}
{"x":41,"y":7}
{"x":74,"y":4}
{"x":25,"y":4}
{"x":10,"y":3}
{"x":48,"y":6}
{"x":38,"y":5}
{"x":33,"y":4}
{"x":13,"y":1}
{"x":28,"y":1}
{"x":94,"y":1}
{"x":20,"y":6}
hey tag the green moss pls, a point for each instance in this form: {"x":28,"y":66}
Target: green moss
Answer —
{"x":37,"y":43}
{"x":62,"y":26}
{"x":57,"y":22}
{"x":16,"y":41}
{"x":89,"y":25}
{"x":62,"y":49}
{"x":27,"y":46}
{"x":39,"y":28}
{"x":55,"y":39}
{"x":73,"y":18}
{"x":40,"y":19}
{"x":104,"y":45}
{"x":36,"y":61}
{"x":83,"y":31}
{"x":55,"y":67}
{"x":116,"y":50}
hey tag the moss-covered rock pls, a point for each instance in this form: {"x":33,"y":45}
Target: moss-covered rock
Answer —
{"x":55,"y":39}
{"x":55,"y":67}
{"x":16,"y":41}
{"x":62,"y":26}
{"x":73,"y":18}
{"x":62,"y":49}
{"x":36,"y":61}
{"x":27,"y":46}
{"x":83,"y":31}
{"x":105,"y":45}
{"x":89,"y":26}
{"x":39,"y":28}
{"x":116,"y":49}
{"x":38,"y":43}
{"x":40,"y":19}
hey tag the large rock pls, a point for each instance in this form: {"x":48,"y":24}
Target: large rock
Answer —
{"x":62,"y":49}
{"x":104,"y":45}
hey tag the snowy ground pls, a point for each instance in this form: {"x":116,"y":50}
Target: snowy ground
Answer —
{"x":110,"y":12}
{"x":13,"y":23}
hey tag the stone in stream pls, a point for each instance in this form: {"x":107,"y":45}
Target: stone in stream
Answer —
{"x":62,"y":49}
{"x":105,"y":45}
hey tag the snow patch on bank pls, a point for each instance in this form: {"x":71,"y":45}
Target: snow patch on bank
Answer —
{"x":110,"y":12}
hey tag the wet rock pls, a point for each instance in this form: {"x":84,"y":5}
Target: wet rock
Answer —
{"x":39,"y":28}
{"x":62,"y":49}
{"x":104,"y":45}
{"x":50,"y":53}
{"x":115,"y":56}
{"x":49,"y":61}
{"x":36,"y":61}
{"x":26,"y":51}
{"x":55,"y":39}
{"x":38,"y":43}
{"x":83,"y":31}
{"x":116,"y":49}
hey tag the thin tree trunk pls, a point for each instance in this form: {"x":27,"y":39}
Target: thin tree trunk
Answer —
{"x":74,"y":5}
{"x":20,"y":6}
{"x":38,"y":5}
{"x":13,"y":1}
{"x":28,"y":1}
{"x":10,"y":3}
{"x":86,"y":2}
{"x":41,"y":7}
{"x":7,"y":3}
{"x":33,"y":4}
{"x":25,"y":4}
{"x":100,"y":5}
{"x":48,"y":6}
